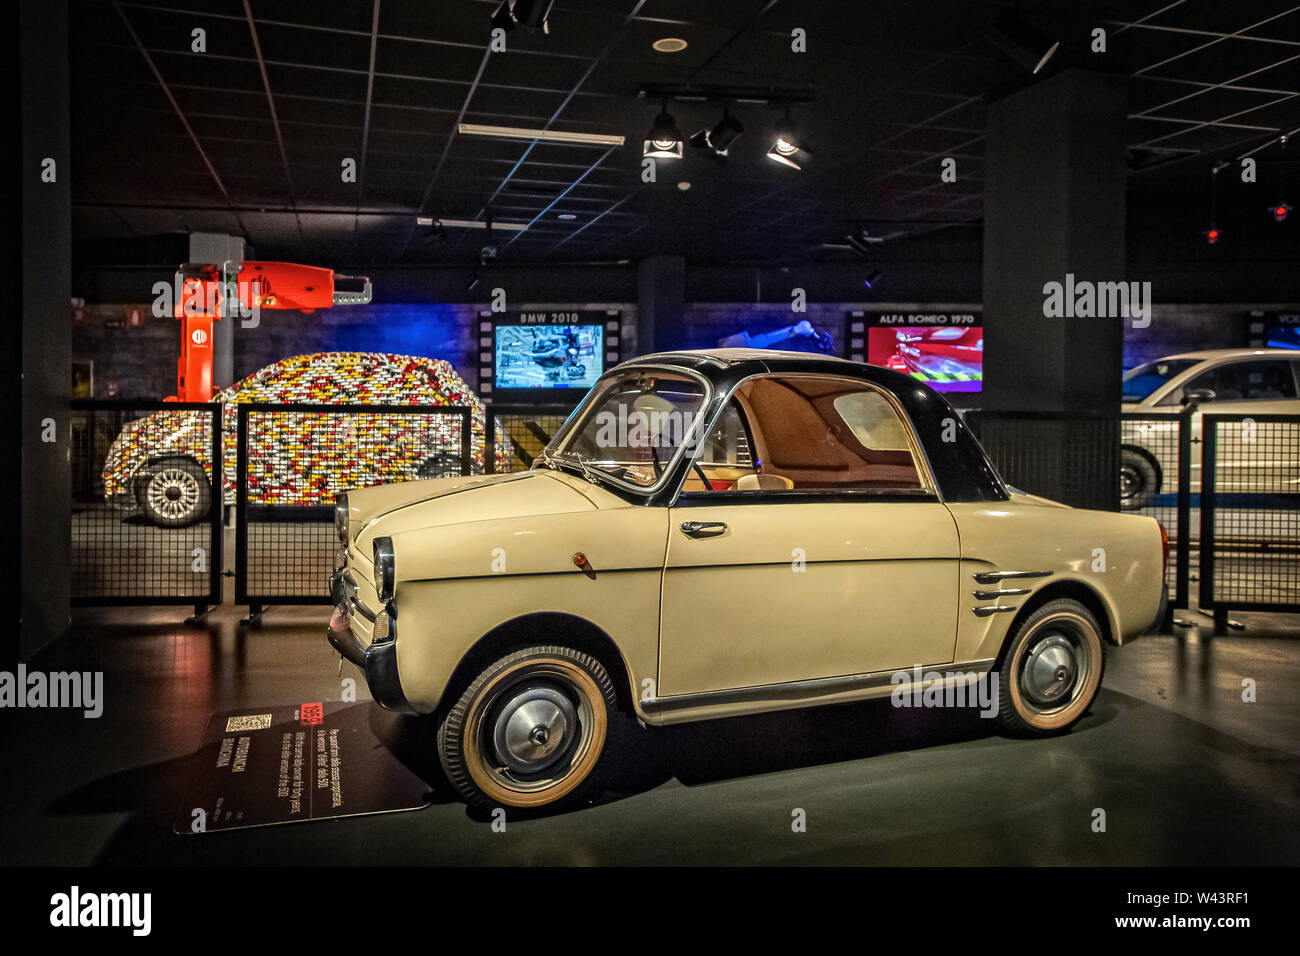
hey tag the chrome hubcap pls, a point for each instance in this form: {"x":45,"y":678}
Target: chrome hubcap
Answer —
{"x":173,"y":493}
{"x":535,"y":728}
{"x":1051,"y":671}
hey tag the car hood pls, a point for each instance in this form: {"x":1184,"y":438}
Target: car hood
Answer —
{"x":410,"y":505}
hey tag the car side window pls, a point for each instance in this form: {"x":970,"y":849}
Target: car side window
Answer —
{"x":795,"y":434}
{"x":1259,"y":380}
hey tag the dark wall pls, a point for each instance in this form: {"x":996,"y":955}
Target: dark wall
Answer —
{"x":46,"y":283}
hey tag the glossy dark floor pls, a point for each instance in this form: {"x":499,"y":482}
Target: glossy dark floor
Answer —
{"x":1185,"y":770}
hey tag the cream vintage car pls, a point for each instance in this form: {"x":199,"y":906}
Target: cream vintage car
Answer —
{"x":719,"y":533}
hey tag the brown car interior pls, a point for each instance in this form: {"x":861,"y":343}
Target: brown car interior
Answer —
{"x":800,"y":442}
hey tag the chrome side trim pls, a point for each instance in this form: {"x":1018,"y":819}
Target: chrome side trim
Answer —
{"x":798,"y":691}
{"x":994,"y":595}
{"x":993,"y":577}
{"x":992,"y":609}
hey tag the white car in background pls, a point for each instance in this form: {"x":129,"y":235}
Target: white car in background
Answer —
{"x":1219,"y":381}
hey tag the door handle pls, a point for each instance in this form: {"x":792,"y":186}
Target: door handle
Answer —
{"x":704,"y":529}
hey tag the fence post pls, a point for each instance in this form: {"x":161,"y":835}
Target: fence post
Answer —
{"x":489,"y":441}
{"x":1209,"y":449}
{"x":1183,"y":550}
{"x":241,"y":506}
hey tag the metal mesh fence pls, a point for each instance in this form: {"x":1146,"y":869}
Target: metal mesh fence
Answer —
{"x":293,"y":460}
{"x":1249,"y":484}
{"x":1063,"y":457}
{"x":521,"y":434}
{"x":146,"y":525}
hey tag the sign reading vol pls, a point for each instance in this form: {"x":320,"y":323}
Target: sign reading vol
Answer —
{"x":312,"y":761}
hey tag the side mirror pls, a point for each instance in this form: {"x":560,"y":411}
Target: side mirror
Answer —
{"x":1196,"y":396}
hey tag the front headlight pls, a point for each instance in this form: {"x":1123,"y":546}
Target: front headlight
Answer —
{"x":341,"y":518}
{"x":384,"y":574}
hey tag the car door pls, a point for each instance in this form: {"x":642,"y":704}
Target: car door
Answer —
{"x":1247,"y":460}
{"x":830,"y":556}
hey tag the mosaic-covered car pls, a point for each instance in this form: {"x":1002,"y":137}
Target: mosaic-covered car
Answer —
{"x":720,"y":533}
{"x":162,"y":464}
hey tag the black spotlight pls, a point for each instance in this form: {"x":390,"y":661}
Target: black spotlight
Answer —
{"x":1022,"y":42}
{"x":534,"y":15}
{"x":717,"y":141}
{"x":664,"y":141}
{"x":786,"y":149}
{"x":473,"y":281}
{"x":873,"y":279}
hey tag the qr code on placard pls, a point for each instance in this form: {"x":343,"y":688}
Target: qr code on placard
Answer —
{"x":250,"y":722}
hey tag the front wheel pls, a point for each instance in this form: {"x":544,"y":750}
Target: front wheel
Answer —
{"x":530,"y":729}
{"x":1052,"y":670}
{"x":174,"y":493}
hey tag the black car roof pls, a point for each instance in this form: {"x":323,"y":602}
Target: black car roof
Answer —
{"x":960,"y":465}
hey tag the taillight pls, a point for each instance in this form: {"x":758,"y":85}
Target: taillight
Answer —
{"x":1164,"y":549}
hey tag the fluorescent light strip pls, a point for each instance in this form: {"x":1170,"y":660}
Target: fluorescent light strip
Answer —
{"x":543,"y":135}
{"x":473,"y":224}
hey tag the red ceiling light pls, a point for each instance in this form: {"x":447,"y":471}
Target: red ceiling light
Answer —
{"x":1280,"y":211}
{"x":1211,"y":236}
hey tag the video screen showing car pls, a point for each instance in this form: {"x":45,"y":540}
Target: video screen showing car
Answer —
{"x":947,"y":358}
{"x":1284,"y":336}
{"x":549,"y":356}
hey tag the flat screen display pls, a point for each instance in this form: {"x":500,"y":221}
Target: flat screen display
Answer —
{"x":548,"y":356}
{"x":947,"y":358}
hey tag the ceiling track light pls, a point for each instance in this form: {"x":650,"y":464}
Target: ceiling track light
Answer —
{"x":786,"y":149}
{"x":532,"y":15}
{"x":717,"y":141}
{"x":872,"y":280}
{"x":664,"y":140}
{"x":1023,"y":43}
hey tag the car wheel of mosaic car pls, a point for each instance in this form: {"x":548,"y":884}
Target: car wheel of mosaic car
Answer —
{"x":719,"y":534}
{"x":174,"y":492}
{"x":1051,"y":669}
{"x":530,"y":730}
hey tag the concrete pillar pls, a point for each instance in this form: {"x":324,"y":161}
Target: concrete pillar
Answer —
{"x":1054,"y":205}
{"x":661,"y":299}
{"x":46,"y":293}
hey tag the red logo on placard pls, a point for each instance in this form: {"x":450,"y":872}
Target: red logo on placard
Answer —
{"x":312,"y":714}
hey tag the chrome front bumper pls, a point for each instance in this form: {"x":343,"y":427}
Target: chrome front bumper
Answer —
{"x":378,"y":660}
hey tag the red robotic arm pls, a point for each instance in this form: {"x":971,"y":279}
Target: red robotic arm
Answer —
{"x":208,"y":293}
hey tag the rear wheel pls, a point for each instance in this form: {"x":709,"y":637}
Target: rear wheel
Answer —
{"x":1052,"y":670}
{"x":174,"y":493}
{"x":530,"y":730}
{"x":1139,"y":482}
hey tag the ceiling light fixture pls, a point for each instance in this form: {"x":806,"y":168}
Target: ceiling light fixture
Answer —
{"x":1212,"y":234}
{"x":1282,"y":208}
{"x":533,"y":15}
{"x":664,"y":140}
{"x":1023,"y":43}
{"x":873,"y":279}
{"x":542,"y":135}
{"x":566,"y":216}
{"x":683,"y":185}
{"x":669,"y":45}
{"x":786,"y":149}
{"x":471,"y":224}
{"x":717,"y":141}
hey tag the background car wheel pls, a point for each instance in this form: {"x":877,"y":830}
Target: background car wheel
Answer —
{"x":530,"y":729}
{"x":1052,"y":670}
{"x":1139,"y":482}
{"x":174,"y":493}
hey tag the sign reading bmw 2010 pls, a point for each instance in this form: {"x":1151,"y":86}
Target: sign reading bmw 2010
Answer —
{"x":529,"y":354}
{"x":943,"y":348}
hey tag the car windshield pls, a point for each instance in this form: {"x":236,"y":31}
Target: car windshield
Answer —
{"x":1142,"y":381}
{"x":630,"y":429}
